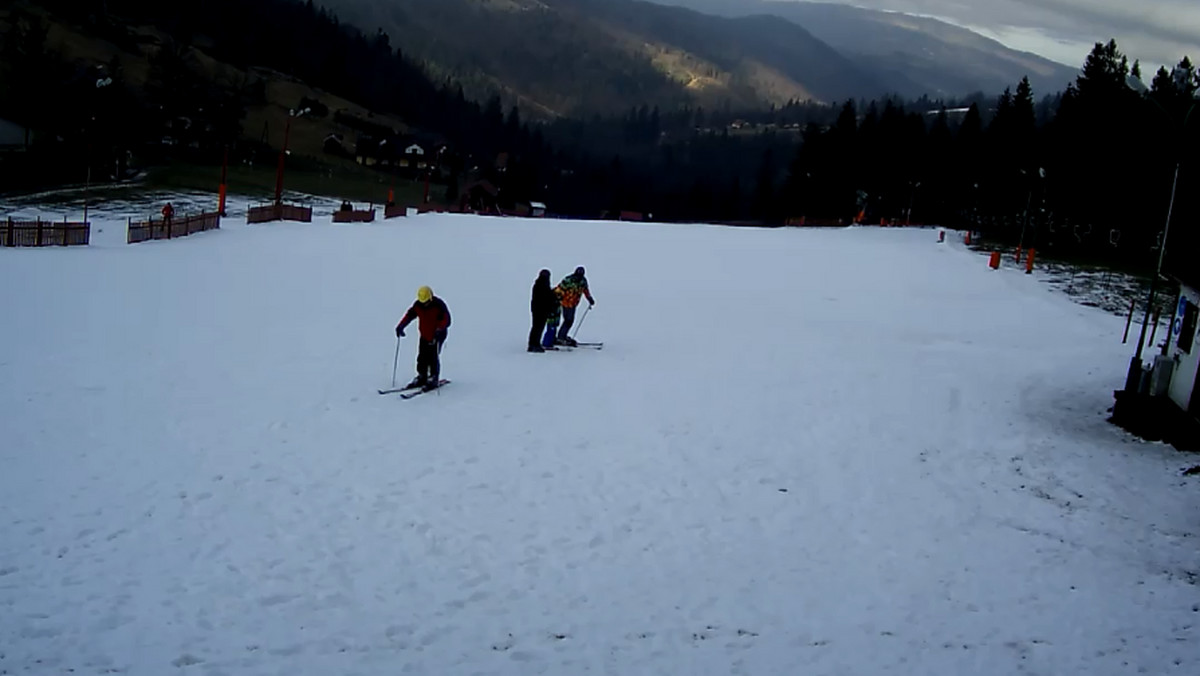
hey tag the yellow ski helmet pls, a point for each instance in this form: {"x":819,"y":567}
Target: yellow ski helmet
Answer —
{"x":424,"y":294}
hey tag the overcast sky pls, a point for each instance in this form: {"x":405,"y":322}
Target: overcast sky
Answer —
{"x":1156,"y":31}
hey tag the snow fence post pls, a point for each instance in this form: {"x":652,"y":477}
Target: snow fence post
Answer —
{"x":994,"y":261}
{"x":1029,"y":261}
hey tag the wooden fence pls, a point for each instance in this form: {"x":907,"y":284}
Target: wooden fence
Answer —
{"x":176,"y":227}
{"x":353,"y":216}
{"x":44,"y":233}
{"x":279,"y":212}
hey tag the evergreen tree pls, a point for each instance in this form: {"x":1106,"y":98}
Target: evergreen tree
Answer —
{"x":1105,"y":73}
{"x":764,"y":188}
{"x":1024,"y":117}
{"x":512,"y":128}
{"x":971,"y":129}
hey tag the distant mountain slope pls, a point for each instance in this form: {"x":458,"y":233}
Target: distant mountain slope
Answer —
{"x":775,"y":60}
{"x":916,"y":55}
{"x":570,"y":57}
{"x":549,"y":61}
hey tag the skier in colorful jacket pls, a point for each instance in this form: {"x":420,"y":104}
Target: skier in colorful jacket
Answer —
{"x":570,"y":289}
{"x":433,"y":321}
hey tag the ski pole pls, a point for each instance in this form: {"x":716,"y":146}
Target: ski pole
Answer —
{"x":395,"y":360}
{"x":580,"y":324}
{"x":436,"y":382}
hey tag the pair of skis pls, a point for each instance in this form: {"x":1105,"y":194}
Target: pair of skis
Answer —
{"x":586,"y":346}
{"x":410,"y":391}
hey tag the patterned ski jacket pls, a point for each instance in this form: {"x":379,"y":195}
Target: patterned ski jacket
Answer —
{"x":571,"y":288}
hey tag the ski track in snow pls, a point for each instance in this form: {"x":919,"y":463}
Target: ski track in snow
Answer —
{"x":801,"y":451}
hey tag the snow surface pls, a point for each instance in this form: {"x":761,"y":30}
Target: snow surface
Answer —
{"x":849,"y":451}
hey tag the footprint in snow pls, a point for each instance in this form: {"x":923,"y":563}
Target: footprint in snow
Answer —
{"x":288,"y":651}
{"x":436,"y":635}
{"x":277,"y":599}
{"x":186,"y":660}
{"x":400,"y":634}
{"x":462,"y":603}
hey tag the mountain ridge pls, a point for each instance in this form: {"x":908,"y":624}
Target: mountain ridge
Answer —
{"x":940,"y":58}
{"x":580,"y":57}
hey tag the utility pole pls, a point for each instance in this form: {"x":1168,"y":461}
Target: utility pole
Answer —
{"x":287,"y":130}
{"x":87,"y":184}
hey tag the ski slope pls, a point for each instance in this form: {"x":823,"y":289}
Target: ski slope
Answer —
{"x":849,"y":451}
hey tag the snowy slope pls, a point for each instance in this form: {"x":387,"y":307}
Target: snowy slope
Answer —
{"x":801,"y":451}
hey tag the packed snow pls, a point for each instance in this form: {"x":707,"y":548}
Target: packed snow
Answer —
{"x":801,"y":451}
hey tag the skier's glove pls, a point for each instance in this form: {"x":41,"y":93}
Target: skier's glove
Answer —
{"x":440,"y":336}
{"x":399,"y":331}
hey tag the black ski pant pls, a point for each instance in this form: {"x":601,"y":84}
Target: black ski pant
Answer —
{"x":567,"y":323}
{"x":535,"y":332}
{"x":429,"y":366}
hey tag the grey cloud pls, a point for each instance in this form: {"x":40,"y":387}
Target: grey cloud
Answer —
{"x":1177,"y":21}
{"x":1155,"y":31}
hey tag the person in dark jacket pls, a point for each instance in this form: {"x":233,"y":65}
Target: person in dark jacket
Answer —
{"x":541,"y":305}
{"x":433,"y":321}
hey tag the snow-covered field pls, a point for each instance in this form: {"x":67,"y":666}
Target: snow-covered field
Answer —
{"x":800,"y":452}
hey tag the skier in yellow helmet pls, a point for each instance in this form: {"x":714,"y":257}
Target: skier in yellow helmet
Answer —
{"x":433,"y":321}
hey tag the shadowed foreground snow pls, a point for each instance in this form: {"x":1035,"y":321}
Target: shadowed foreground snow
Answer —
{"x":801,"y":451}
